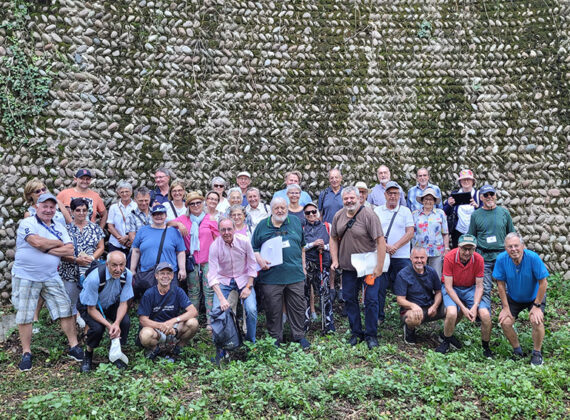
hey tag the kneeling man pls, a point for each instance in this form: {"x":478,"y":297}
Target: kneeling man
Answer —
{"x":463,"y":272}
{"x":418,"y":292}
{"x":521,"y":279}
{"x":103,"y":304}
{"x":166,"y":315}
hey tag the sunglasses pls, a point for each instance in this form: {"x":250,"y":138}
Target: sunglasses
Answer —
{"x":41,"y":190}
{"x":195,"y":204}
{"x":219,"y":186}
{"x":489,"y":194}
{"x":308,"y":212}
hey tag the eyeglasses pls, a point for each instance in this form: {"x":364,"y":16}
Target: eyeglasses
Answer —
{"x":159,"y":214}
{"x":219,"y":186}
{"x":392,"y":192}
{"x":195,"y":204}
{"x":41,"y":190}
{"x":489,"y":194}
{"x":308,"y":212}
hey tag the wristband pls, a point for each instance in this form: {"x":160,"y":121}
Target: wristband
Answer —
{"x":536,"y":305}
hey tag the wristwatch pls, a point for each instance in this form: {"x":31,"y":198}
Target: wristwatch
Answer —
{"x":536,"y":305}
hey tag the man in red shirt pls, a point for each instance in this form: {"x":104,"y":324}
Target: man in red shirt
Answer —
{"x":463,"y":271}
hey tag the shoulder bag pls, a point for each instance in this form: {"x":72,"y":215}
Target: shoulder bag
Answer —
{"x":144,"y":280}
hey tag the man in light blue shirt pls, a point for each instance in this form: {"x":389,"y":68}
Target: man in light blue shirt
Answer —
{"x":293,"y":177}
{"x":377,"y":195}
{"x":103,"y":304}
{"x":422,"y":177}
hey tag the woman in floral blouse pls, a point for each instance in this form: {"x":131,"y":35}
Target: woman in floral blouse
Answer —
{"x":431,"y":230}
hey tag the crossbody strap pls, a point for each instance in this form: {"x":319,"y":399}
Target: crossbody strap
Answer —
{"x":390,"y":225}
{"x":144,"y":222}
{"x":173,"y":209}
{"x":347,"y":226}
{"x":161,"y":244}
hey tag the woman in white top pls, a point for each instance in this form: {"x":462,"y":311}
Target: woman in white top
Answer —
{"x":118,"y":216}
{"x":177,"y":205}
{"x":459,"y":215}
{"x":219,"y":185}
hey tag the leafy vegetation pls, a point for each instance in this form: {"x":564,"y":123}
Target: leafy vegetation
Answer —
{"x":331,"y":380}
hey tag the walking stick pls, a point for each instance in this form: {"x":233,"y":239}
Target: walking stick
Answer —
{"x":321,"y":292}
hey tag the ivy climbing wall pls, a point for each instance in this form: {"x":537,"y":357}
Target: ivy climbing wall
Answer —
{"x":214,"y":87}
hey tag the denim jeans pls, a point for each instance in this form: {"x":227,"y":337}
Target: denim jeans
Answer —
{"x":387,"y":280}
{"x":351,"y":285}
{"x":250,"y":305}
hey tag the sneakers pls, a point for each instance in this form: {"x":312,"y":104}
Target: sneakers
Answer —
{"x":120,"y":364}
{"x":76,"y":353}
{"x":487,"y":353}
{"x":26,"y":362}
{"x":372,"y":342}
{"x":443,"y":347}
{"x":454,"y":342}
{"x":330,"y":329}
{"x":535,"y":360}
{"x":153,"y":354}
{"x":304,"y":343}
{"x":517,"y":354}
{"x":87,"y":363}
{"x":409,"y":335}
{"x":353,"y":340}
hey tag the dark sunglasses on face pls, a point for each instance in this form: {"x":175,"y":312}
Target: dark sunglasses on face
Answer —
{"x":489,"y":194}
{"x":219,"y":186}
{"x":41,"y":190}
{"x":308,"y":212}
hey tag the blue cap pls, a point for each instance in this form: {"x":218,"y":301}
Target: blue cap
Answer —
{"x":163,"y":265}
{"x":391,"y":184}
{"x":159,"y":208}
{"x":486,"y":189}
{"x":46,"y":197}
{"x":83,"y":172}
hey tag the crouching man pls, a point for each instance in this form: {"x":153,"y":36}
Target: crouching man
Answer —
{"x":166,"y":316}
{"x":103,"y":304}
{"x":418,"y":292}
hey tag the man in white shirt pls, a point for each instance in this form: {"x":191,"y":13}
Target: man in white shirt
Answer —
{"x":256,"y":209}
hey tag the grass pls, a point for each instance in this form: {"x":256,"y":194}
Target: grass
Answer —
{"x":331,"y":380}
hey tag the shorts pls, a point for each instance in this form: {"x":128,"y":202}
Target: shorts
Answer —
{"x":440,"y":314}
{"x":72,"y":289}
{"x":52,"y":291}
{"x":15,"y":290}
{"x":518,"y":307}
{"x":465,"y":295}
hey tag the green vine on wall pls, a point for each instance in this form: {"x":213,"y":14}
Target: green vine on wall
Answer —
{"x":24,"y":78}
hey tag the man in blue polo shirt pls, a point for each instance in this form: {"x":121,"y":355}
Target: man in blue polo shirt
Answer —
{"x":330,"y":199}
{"x":103,"y":304}
{"x":521,"y":280}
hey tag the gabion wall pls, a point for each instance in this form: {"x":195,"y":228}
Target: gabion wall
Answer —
{"x":214,"y":87}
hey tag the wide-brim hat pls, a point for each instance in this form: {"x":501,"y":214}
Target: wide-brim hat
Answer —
{"x":465,"y":174}
{"x":194,"y":195}
{"x":428,"y":191}
{"x":361,"y":185}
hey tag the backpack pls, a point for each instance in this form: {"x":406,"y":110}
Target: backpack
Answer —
{"x":100,"y":265}
{"x":225,"y":331}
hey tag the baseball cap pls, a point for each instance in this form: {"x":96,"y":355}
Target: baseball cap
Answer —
{"x":244,"y":173}
{"x":163,"y":265}
{"x":486,"y":189}
{"x":46,"y":197}
{"x":391,"y":184}
{"x":159,"y":208}
{"x":83,"y":172}
{"x":467,"y":240}
{"x":310,"y":204}
{"x":360,"y":185}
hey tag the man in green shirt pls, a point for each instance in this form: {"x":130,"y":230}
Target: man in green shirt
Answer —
{"x":490,"y":224}
{"x":282,"y":284}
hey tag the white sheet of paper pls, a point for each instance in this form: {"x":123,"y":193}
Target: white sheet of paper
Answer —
{"x":272,"y":251}
{"x":364,"y":263}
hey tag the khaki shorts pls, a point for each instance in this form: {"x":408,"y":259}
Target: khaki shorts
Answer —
{"x":52,"y":291}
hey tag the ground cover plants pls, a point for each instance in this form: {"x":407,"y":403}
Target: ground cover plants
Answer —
{"x":331,"y":380}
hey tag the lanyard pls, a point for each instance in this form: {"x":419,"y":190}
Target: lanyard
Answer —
{"x":49,"y":228}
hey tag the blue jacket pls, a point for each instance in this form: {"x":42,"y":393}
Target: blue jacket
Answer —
{"x":317,"y":230}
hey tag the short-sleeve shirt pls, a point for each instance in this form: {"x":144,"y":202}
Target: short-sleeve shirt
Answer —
{"x":95,"y":203}
{"x":148,"y":241}
{"x":330,"y":203}
{"x":402,"y":221}
{"x":30,"y":263}
{"x":358,"y":239}
{"x":85,"y":240}
{"x":118,"y":217}
{"x":303,"y":200}
{"x":522,"y":280}
{"x":293,"y":237}
{"x":111,"y":293}
{"x":429,"y":231}
{"x":137,"y":219}
{"x":407,"y":284}
{"x":161,"y":308}
{"x":463,"y":275}
{"x":156,"y":195}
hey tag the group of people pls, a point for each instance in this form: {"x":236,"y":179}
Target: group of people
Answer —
{"x":175,"y":251}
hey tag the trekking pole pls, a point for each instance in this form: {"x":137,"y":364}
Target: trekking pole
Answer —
{"x":321,"y":292}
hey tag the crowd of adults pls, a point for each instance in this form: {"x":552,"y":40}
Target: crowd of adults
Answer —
{"x":173,"y":253}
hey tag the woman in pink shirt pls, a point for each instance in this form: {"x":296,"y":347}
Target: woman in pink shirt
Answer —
{"x":199,"y":228}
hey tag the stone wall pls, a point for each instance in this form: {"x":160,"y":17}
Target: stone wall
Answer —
{"x":213,"y":87}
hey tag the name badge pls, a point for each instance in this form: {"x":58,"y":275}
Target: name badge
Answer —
{"x":491,"y":239}
{"x":286,"y":244}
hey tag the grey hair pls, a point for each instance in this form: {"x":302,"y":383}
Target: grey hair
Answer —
{"x":236,"y":207}
{"x":350,"y":189}
{"x":142,"y":191}
{"x":218,"y":180}
{"x":124,"y":184}
{"x":277,"y":200}
{"x":335,"y":169}
{"x":293,"y":186}
{"x":514,"y":235}
{"x":108,"y":259}
{"x":223,"y":218}
{"x":233,"y":189}
{"x":253,"y":189}
{"x":165,"y":171}
{"x":418,"y":249}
